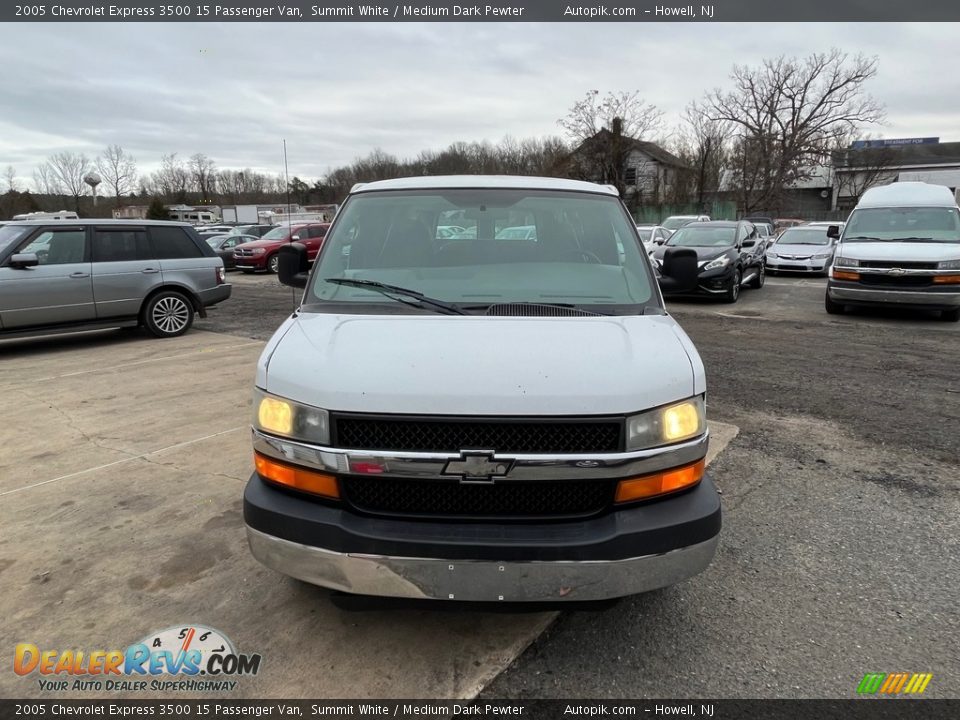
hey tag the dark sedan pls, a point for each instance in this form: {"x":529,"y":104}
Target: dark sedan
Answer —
{"x":224,"y":245}
{"x":729,"y":256}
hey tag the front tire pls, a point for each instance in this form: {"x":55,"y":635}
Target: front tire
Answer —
{"x":833,"y":308}
{"x":733,"y":292}
{"x":168,"y":314}
{"x":273,"y":264}
{"x":758,"y":281}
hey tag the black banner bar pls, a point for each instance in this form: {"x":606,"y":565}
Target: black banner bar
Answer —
{"x":324,"y":11}
{"x":872,"y":708}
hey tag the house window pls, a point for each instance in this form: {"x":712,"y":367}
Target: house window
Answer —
{"x":630,"y":176}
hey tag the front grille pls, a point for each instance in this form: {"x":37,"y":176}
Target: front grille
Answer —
{"x":897,"y":281}
{"x":452,"y":499}
{"x":503,"y":436}
{"x":906,"y":265}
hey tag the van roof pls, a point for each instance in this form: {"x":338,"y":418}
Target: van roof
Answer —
{"x":905,"y":194}
{"x":434,"y":182}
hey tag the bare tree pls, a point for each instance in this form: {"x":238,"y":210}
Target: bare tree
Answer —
{"x":172,"y":179}
{"x":704,"y":144}
{"x":70,"y":169}
{"x":587,"y":117}
{"x":203,"y":172}
{"x":118,"y":169}
{"x":46,"y":182}
{"x":788,"y":114}
{"x":10,"y":176}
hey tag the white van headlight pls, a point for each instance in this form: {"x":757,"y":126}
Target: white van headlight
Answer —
{"x":845,"y":262}
{"x":670,"y":424}
{"x":294,"y":420}
{"x":949,"y":265}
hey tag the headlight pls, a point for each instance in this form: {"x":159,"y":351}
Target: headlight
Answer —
{"x":949,"y":265}
{"x":670,"y":424}
{"x":845,"y":262}
{"x":719,"y":262}
{"x":822,"y":256}
{"x":772,"y":255}
{"x":294,"y":420}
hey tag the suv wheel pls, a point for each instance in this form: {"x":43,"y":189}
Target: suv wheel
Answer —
{"x":168,"y":314}
{"x":273,"y":264}
{"x":733,"y":292}
{"x":758,"y":281}
{"x":833,"y":308}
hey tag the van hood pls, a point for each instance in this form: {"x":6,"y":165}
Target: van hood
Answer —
{"x":470,"y":365}
{"x":906,"y":251}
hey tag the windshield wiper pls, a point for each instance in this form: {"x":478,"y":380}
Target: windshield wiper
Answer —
{"x":536,"y":304}
{"x":865,"y":237}
{"x":914,"y":239}
{"x":392,"y":291}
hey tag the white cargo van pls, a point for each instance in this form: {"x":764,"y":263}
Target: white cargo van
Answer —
{"x":900,"y":246}
{"x":482,"y":417}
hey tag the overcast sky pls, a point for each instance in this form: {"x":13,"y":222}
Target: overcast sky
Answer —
{"x":337,"y":91}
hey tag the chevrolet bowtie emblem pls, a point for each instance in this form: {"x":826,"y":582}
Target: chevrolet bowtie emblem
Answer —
{"x":896,"y":272}
{"x":477,"y":466}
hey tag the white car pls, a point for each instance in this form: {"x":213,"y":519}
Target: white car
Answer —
{"x":900,"y":246}
{"x":484,"y":420}
{"x":675,"y":222}
{"x":802,"y":249}
{"x":652,"y":236}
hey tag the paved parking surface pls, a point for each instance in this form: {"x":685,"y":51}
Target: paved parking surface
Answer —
{"x":120,"y":491}
{"x":120,"y":515}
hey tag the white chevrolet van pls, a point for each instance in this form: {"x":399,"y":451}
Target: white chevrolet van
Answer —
{"x":477,"y":414}
{"x":900,"y":246}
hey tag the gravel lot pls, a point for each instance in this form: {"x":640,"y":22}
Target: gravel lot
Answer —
{"x":842,"y":500}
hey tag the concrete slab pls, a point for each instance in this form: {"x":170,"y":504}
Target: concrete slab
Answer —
{"x":120,"y":515}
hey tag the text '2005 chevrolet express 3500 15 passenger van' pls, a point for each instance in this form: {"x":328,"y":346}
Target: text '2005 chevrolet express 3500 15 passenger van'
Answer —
{"x":491,"y":416}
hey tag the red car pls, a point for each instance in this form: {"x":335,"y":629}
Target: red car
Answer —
{"x":261,"y":255}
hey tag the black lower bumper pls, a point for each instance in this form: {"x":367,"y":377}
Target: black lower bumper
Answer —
{"x":651,"y":528}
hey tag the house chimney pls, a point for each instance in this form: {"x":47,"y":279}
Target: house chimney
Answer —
{"x":617,"y":126}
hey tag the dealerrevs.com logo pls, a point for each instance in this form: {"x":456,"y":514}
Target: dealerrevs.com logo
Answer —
{"x":183,"y":658}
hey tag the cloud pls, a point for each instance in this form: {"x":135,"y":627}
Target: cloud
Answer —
{"x":336,"y":91}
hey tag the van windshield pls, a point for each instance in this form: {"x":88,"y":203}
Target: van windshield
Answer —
{"x":921,"y":224}
{"x":578,"y":249}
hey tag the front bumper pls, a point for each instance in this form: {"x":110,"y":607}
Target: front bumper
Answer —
{"x":798,"y":266}
{"x":624,"y":552}
{"x":933,"y":298}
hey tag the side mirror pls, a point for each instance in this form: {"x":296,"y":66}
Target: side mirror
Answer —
{"x":833,"y":232}
{"x":292,"y":265}
{"x":659,"y":241}
{"x":24,"y":260}
{"x":749,"y":242}
{"x":295,"y":238}
{"x":679,"y":271}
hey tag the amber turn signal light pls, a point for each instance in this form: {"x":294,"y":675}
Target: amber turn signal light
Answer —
{"x":297,"y":478}
{"x":845,"y":275}
{"x":661,"y":483}
{"x":946,"y":279}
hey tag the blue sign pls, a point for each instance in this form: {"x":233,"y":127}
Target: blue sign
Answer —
{"x":892,"y":142}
